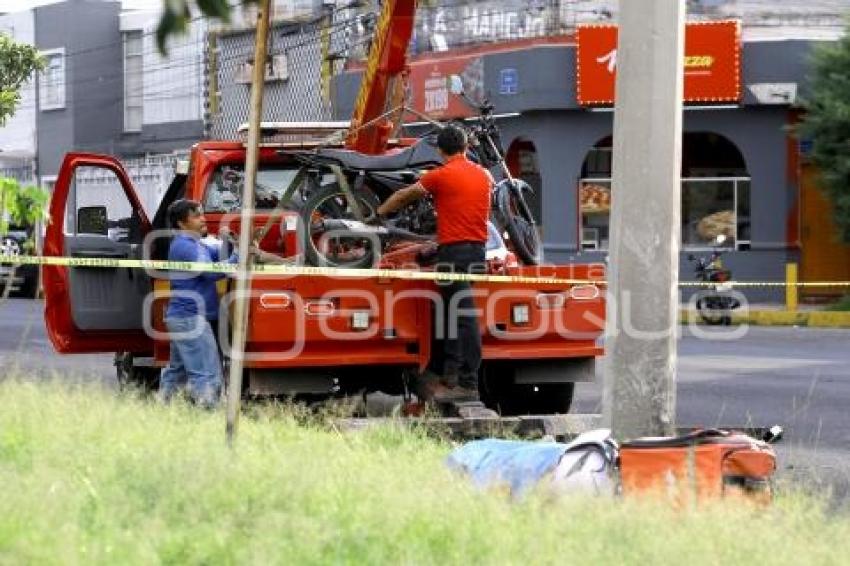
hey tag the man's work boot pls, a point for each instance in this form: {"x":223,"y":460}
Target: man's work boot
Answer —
{"x":457,"y":395}
{"x":427,"y":385}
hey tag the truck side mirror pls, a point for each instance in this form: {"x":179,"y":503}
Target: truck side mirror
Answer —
{"x":92,"y":220}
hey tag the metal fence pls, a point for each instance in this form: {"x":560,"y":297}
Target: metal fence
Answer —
{"x":150,"y":175}
{"x":303,"y":56}
{"x":22,"y":173}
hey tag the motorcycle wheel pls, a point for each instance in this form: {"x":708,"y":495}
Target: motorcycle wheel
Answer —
{"x":708,"y":314}
{"x":350,"y":252}
{"x":519,"y":224}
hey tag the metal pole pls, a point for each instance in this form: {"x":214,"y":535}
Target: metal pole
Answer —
{"x":246,"y":228}
{"x":639,"y":396}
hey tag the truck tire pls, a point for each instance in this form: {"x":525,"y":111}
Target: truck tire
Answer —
{"x":330,"y":202}
{"x":130,"y":377}
{"x":501,"y":393}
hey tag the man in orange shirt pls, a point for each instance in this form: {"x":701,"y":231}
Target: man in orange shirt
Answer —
{"x":461,"y":192}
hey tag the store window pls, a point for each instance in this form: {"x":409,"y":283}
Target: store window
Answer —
{"x":133,"y":83}
{"x":715,"y":194}
{"x":52,"y":80}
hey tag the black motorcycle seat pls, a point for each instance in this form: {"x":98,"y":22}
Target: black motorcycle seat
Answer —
{"x":355,"y":160}
{"x":419,"y":155}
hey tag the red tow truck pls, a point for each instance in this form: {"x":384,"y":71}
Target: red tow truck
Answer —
{"x":307,"y":334}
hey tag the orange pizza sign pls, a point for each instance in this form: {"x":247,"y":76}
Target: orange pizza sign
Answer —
{"x":712,"y":62}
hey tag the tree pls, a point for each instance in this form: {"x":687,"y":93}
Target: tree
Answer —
{"x":827,"y":124}
{"x":18,"y":61}
{"x":24,"y":206}
{"x":177,"y":14}
{"x":20,"y":205}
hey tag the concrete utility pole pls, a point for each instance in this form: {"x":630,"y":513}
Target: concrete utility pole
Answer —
{"x":246,"y":227}
{"x":639,"y":395}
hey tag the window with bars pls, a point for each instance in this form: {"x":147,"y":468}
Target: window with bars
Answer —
{"x":52,"y":80}
{"x":133,"y":81}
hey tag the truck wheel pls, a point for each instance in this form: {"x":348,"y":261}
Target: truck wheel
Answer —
{"x":501,"y":393}
{"x":131,"y":377}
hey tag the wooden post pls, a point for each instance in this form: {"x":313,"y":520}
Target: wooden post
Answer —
{"x":246,"y":228}
{"x":639,"y":395}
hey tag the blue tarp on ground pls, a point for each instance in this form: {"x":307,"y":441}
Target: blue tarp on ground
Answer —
{"x":581,"y":465}
{"x":516,"y":463}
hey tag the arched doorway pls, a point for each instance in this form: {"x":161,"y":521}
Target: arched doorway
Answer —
{"x":522,"y":162}
{"x":715,"y":193}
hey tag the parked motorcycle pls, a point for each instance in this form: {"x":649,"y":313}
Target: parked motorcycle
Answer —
{"x":716,"y":302}
{"x":337,"y":229}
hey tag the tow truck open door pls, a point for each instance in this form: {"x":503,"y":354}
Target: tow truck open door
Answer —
{"x":95,"y":213}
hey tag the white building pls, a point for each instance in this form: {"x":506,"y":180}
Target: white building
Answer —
{"x":18,"y":134}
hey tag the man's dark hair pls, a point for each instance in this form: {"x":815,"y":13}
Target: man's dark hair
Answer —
{"x":451,"y":139}
{"x":179,"y":211}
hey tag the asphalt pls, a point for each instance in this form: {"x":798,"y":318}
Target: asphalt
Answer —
{"x":796,"y":377}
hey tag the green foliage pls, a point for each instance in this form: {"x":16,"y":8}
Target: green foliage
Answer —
{"x":842,"y":305}
{"x":827,"y":123}
{"x":93,"y":478}
{"x":177,"y":14}
{"x":18,"y":61}
{"x":23,"y":206}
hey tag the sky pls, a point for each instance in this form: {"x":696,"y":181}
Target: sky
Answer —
{"x":18,"y":5}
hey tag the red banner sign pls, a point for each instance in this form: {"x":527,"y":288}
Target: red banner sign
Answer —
{"x":712,"y":63}
{"x":429,"y":86}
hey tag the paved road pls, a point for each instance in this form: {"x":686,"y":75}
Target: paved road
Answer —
{"x":24,"y":347}
{"x":796,"y":377}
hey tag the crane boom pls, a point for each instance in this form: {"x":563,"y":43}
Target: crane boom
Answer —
{"x":387,"y":60}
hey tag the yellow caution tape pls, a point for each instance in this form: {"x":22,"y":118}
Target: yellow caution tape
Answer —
{"x":406,"y":274}
{"x":268,"y":269}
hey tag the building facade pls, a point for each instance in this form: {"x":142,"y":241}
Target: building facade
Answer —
{"x":18,"y":134}
{"x":105,"y":89}
{"x":744,"y":174}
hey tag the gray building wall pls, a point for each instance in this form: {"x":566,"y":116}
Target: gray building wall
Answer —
{"x":92,"y":116}
{"x":92,"y":119}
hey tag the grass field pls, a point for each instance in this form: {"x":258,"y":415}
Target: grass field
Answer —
{"x":88,"y":477}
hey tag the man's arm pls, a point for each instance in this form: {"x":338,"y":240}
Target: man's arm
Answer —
{"x":402,"y":198}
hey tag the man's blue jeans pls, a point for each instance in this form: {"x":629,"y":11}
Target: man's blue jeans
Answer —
{"x":194,"y":361}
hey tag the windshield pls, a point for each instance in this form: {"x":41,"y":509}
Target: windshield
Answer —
{"x":224,"y":192}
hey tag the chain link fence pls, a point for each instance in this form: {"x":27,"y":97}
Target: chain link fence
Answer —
{"x":302,"y":58}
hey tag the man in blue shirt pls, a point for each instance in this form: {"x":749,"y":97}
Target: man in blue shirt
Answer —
{"x":192,"y":310}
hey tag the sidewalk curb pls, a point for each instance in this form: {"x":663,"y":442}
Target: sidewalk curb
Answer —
{"x":817,"y":319}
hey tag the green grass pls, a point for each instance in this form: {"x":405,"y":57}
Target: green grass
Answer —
{"x":88,"y":477}
{"x":843,"y":304}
